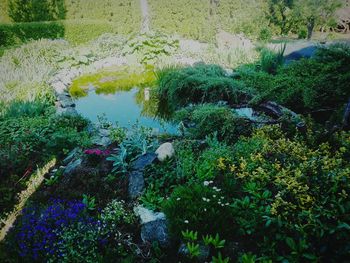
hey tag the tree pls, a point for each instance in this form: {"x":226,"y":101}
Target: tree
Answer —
{"x":36,"y":10}
{"x":316,"y":12}
{"x":281,"y":14}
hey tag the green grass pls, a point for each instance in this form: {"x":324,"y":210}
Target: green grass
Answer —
{"x":201,"y":20}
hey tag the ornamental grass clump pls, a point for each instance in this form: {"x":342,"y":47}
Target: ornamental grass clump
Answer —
{"x":200,"y":84}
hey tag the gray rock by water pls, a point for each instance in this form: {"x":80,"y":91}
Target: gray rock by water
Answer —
{"x":153,"y":226}
{"x":136,"y":184}
{"x":166,"y":150}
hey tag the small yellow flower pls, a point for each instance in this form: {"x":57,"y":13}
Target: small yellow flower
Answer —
{"x":233,"y":168}
{"x":221,"y":164}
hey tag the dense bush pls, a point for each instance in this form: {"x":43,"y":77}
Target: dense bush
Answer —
{"x":319,"y":86}
{"x":282,"y":200}
{"x":34,"y":10}
{"x":199,"y":208}
{"x":29,"y":135}
{"x":207,"y":119}
{"x":18,"y":33}
{"x":199,"y":84}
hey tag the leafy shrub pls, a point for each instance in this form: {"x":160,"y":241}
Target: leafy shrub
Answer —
{"x":29,"y":140}
{"x":150,"y":47}
{"x":208,"y":119}
{"x":199,"y":84}
{"x":198,"y":207}
{"x":308,"y":86}
{"x":12,"y":34}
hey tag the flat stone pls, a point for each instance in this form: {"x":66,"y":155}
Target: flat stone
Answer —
{"x":71,"y":156}
{"x":67,"y":102}
{"x":136,"y":184}
{"x":104,"y":132}
{"x":72,"y":166}
{"x":146,"y":215}
{"x":102,"y":141}
{"x":143,"y":161}
{"x":59,"y":87}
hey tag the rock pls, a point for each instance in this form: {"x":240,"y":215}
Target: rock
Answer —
{"x":204,"y":252}
{"x":66,"y":111}
{"x":153,"y":226}
{"x":72,"y":166}
{"x":143,"y":161}
{"x":67,"y":102}
{"x":104,"y":132}
{"x":166,"y":150}
{"x":136,"y":184}
{"x":71,"y":156}
{"x":102,"y":141}
{"x":59,"y":87}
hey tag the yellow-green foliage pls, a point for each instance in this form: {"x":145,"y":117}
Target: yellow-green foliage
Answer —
{"x":246,"y":16}
{"x":82,"y":31}
{"x":111,"y":80}
{"x":188,"y":18}
{"x":24,"y":71}
{"x":201,"y":19}
{"x":124,"y":14}
{"x":4,"y":18}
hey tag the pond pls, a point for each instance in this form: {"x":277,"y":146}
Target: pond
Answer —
{"x":122,"y":97}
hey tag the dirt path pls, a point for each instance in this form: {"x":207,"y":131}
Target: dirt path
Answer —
{"x":145,"y":28}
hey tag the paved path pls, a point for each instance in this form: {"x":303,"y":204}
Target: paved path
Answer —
{"x":145,"y":17}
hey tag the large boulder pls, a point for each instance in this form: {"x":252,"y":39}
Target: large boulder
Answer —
{"x":153,"y":226}
{"x":166,"y":150}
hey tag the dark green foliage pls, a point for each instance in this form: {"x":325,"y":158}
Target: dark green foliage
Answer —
{"x":199,"y":84}
{"x":12,"y":34}
{"x":36,"y":10}
{"x":186,"y":208}
{"x":207,"y":119}
{"x":29,"y":135}
{"x":319,"y":86}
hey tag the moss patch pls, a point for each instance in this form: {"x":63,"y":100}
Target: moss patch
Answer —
{"x":111,"y":80}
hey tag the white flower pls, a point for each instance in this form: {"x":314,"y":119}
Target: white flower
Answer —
{"x":205,"y":210}
{"x":214,"y":196}
{"x":186,"y":222}
{"x":204,"y":199}
{"x":206,"y":183}
{"x":178,"y":199}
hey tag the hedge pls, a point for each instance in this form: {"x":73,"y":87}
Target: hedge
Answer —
{"x":74,"y":31}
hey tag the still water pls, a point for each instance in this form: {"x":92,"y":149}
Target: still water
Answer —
{"x":125,"y":108}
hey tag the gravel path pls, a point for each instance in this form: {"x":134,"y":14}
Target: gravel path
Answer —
{"x":145,"y":16}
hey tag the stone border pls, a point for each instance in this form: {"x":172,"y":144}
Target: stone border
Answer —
{"x":61,"y":81}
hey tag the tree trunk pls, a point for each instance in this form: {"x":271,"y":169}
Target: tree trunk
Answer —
{"x":310,"y":27}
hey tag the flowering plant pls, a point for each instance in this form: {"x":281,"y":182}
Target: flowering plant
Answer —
{"x":95,"y":155}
